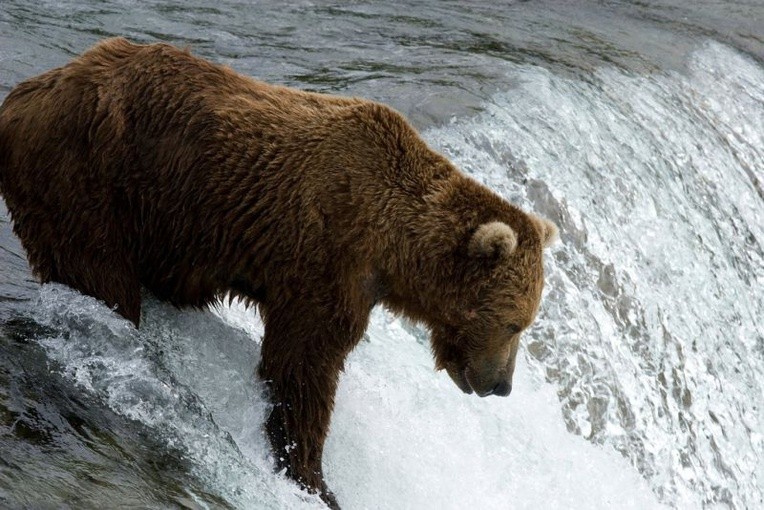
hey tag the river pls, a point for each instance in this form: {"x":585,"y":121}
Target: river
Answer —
{"x":638,"y":127}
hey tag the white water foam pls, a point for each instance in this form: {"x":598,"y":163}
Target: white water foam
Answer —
{"x":148,"y":375}
{"x":651,"y":326}
{"x":402,"y":437}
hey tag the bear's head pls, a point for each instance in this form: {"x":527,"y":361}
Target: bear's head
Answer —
{"x":477,"y":341}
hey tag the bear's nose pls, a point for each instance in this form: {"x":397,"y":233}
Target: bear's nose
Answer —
{"x":502,"y":388}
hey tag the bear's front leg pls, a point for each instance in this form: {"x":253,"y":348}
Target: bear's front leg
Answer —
{"x":302,"y":355}
{"x":300,"y":454}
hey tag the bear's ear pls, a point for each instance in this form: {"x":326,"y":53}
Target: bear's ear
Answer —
{"x":492,"y":239}
{"x":547,"y":230}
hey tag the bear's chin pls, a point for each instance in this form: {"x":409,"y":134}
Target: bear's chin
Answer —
{"x":460,"y":378}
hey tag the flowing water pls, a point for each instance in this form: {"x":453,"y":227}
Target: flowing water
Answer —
{"x":637,"y":126}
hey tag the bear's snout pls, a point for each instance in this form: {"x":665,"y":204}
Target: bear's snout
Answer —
{"x":502,"y":389}
{"x":489,"y":382}
{"x":483,"y":383}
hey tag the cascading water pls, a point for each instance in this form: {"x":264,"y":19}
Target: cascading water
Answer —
{"x":651,"y":325}
{"x":650,"y":328}
{"x":642,"y":380}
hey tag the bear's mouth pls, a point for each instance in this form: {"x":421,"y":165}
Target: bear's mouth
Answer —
{"x":459,"y":376}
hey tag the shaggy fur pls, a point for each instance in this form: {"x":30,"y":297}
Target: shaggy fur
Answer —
{"x":142,"y":165}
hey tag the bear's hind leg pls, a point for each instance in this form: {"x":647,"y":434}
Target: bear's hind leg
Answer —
{"x":103,"y":271}
{"x":108,"y":275}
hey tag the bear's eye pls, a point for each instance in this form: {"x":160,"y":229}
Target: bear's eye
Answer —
{"x":514,"y":329}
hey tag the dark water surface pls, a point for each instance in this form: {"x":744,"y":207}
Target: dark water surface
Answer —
{"x":637,"y":126}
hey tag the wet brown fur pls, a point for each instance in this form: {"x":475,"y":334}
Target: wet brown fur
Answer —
{"x":142,"y":165}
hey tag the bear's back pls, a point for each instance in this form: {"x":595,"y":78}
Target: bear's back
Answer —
{"x":157,"y":165}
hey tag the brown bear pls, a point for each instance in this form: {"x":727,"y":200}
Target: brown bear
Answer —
{"x":142,"y":165}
